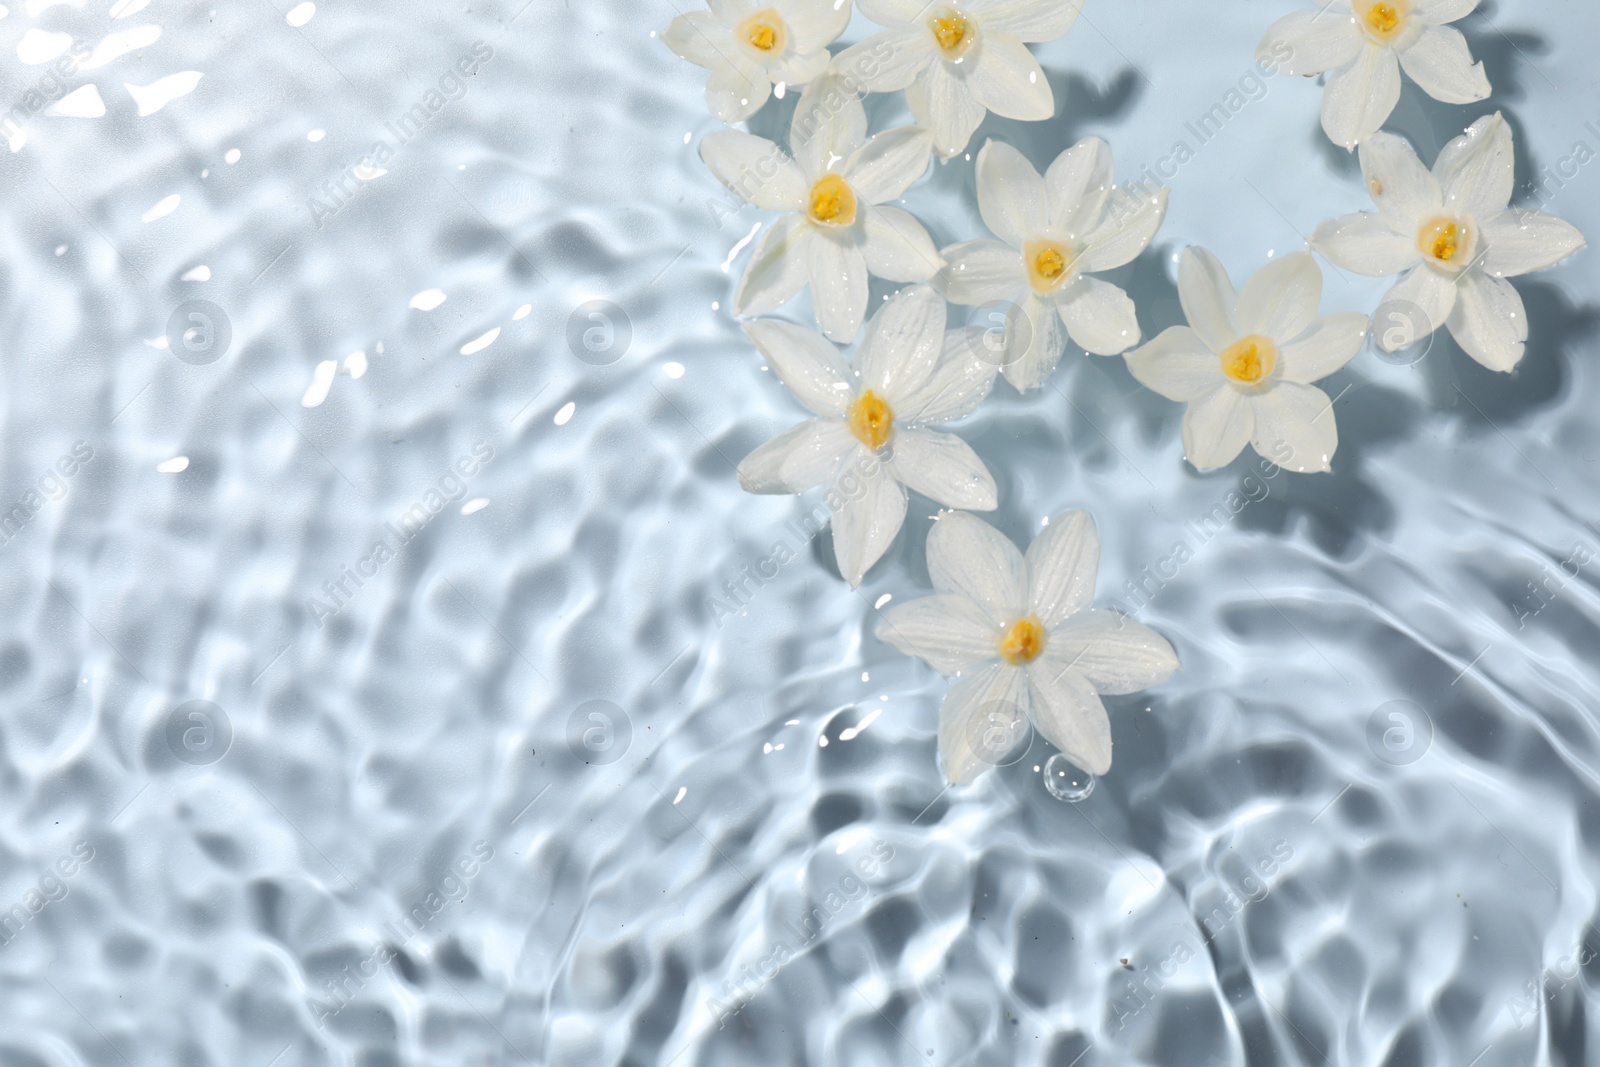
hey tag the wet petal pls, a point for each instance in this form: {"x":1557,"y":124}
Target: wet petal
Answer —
{"x":1099,"y":317}
{"x":1523,"y":241}
{"x":1006,"y":79}
{"x":896,"y":247}
{"x":1115,"y":654}
{"x":1011,"y":195}
{"x":969,"y":557}
{"x":1440,"y":62}
{"x":1216,"y":427}
{"x":802,"y":457}
{"x":1208,"y":298}
{"x":1476,"y":169}
{"x":1294,"y":426}
{"x":1359,"y":97}
{"x":1364,"y":243}
{"x":1062,"y":563}
{"x":1177,"y":364}
{"x":1280,"y":300}
{"x":777,"y":269}
{"x":866,"y":525}
{"x":837,"y":272}
{"x":1067,"y":711}
{"x":1332,"y":341}
{"x":981,"y":721}
{"x":1489,"y":321}
{"x":755,"y":170}
{"x":943,"y":468}
{"x":948,"y":633}
{"x":806,"y":362}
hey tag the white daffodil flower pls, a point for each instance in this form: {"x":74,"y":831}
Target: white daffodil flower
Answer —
{"x":958,"y":60}
{"x":1454,"y":237}
{"x":868,"y":439}
{"x":840,"y":226}
{"x":1246,"y":361}
{"x":1363,"y":44}
{"x":1020,"y":633}
{"x":751,"y":45}
{"x":1054,"y":231}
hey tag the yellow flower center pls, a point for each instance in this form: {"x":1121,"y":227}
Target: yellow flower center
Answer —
{"x":871,"y":419}
{"x":833,"y":202}
{"x":952,"y":31}
{"x":1022,"y":641}
{"x":763,"y":31}
{"x":1385,"y":18}
{"x":1049,"y":264}
{"x":1443,"y":239}
{"x":1249,"y":359}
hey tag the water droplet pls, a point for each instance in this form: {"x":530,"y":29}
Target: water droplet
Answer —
{"x":1066,"y":780}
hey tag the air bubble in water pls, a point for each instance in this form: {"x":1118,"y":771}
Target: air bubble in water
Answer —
{"x":1066,"y":780}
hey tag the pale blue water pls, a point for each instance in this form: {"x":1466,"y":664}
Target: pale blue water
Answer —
{"x":401,"y":832}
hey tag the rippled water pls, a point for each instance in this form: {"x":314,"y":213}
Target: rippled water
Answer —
{"x":397,"y":828}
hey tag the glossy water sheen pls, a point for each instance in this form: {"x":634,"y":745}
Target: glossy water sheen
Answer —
{"x":1357,"y":828}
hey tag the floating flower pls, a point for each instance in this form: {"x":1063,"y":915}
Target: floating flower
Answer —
{"x":958,"y":60}
{"x":1054,"y":232}
{"x":1451,"y":233}
{"x":1364,"y":48}
{"x":840,"y":226}
{"x":1020,"y":633}
{"x":868,"y":438}
{"x":750,"y":46}
{"x":1245,"y":362}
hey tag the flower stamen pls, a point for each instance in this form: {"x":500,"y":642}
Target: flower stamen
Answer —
{"x":871,"y":419}
{"x":1384,"y":19}
{"x":764,"y":31}
{"x":1249,"y":359}
{"x":833,"y":202}
{"x":1443,"y":239}
{"x":1049,"y":264}
{"x":1023,"y":640}
{"x":952,"y":31}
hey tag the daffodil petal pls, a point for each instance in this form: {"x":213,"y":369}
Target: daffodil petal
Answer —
{"x":956,"y":387}
{"x":982,"y":272}
{"x":1359,"y":96}
{"x":838,"y":275}
{"x":1476,"y":169}
{"x":1405,"y":192}
{"x":892,"y":12}
{"x":802,"y":457}
{"x":829,"y":125}
{"x":812,"y":26}
{"x":1430,"y":293}
{"x":1114,"y":653}
{"x":1294,"y":426}
{"x":1032,"y":351}
{"x":700,"y":37}
{"x":1068,"y":712}
{"x":1129,"y":221}
{"x":1363,"y":242}
{"x":981,"y":720}
{"x":731,"y":12}
{"x":942,"y":102}
{"x":799,"y":68}
{"x":943,"y":468}
{"x":1332,"y":341}
{"x":896,"y":247}
{"x":1315,"y":41}
{"x":1099,"y":317}
{"x":777,"y":269}
{"x":736,"y":90}
{"x":1488,"y":320}
{"x":1077,"y":186}
{"x":1062,"y":564}
{"x":755,"y":170}
{"x":866,"y":525}
{"x":1523,"y":241}
{"x":903,"y":343}
{"x":967,"y":556}
{"x":1006,"y":79}
{"x":886,"y":62}
{"x":887,"y":165}
{"x":1011,"y":195}
{"x":806,"y":362}
{"x":1208,"y":298}
{"x":1026,"y":20}
{"x":1177,"y":364}
{"x":1216,"y":427}
{"x":948,"y":633}
{"x":1280,"y":300}
{"x":1439,"y":12}
{"x":1440,"y":62}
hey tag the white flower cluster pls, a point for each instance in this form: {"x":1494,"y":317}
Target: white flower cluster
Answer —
{"x":1019,"y":629}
